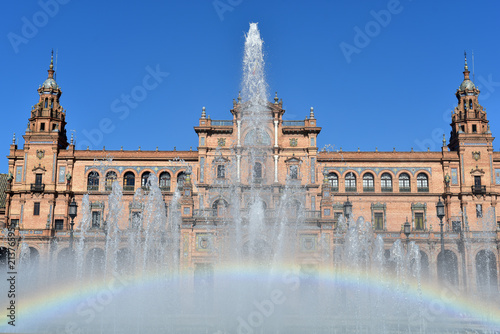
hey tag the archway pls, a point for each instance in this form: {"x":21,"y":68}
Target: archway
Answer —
{"x":94,"y":262}
{"x":448,"y":267}
{"x":486,"y":271}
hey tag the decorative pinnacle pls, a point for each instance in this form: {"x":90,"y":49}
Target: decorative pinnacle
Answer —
{"x":311,"y":114}
{"x":52,"y":59}
{"x":465,"y":56}
{"x":239,"y":97}
{"x":14,"y":139}
{"x":203,"y":114}
{"x":71,"y":141}
{"x":276,"y":98}
{"x":444,"y":140}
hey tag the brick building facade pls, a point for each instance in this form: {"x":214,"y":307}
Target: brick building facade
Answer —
{"x":386,"y":188}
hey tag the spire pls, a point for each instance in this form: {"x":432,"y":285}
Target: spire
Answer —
{"x":466,"y":68}
{"x":14,"y":139}
{"x":311,"y":114}
{"x":276,"y":98}
{"x":51,"y":67}
{"x":203,"y":113}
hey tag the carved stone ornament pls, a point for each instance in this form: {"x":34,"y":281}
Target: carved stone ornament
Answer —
{"x":40,"y":154}
{"x":221,"y":141}
{"x":476,"y":155}
{"x":293,"y":142}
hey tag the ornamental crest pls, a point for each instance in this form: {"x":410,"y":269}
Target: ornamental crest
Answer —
{"x":293,"y":142}
{"x":476,"y":155}
{"x":40,"y":154}
{"x":221,"y":141}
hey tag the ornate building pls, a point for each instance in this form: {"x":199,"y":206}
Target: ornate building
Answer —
{"x":386,"y":188}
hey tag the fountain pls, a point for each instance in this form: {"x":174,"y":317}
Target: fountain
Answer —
{"x":137,"y":284}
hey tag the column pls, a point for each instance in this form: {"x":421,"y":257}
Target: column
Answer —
{"x":276,"y":134}
{"x":275,"y":168}
{"x":239,"y":132}
{"x":238,"y":161}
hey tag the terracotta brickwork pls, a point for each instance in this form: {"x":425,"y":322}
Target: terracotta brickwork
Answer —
{"x":386,"y":188}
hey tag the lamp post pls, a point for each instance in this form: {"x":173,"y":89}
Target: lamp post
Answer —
{"x":407,"y":232}
{"x":440,"y":214}
{"x":73,"y":208}
{"x":347,"y":210}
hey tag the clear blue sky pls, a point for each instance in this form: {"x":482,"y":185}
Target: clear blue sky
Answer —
{"x":396,"y":90}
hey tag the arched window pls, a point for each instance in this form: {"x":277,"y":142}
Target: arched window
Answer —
{"x":368,"y":182}
{"x":144,"y":180}
{"x":165,"y":181}
{"x":448,"y":267}
{"x":470,"y":104}
{"x":422,"y":183}
{"x":93,"y":181}
{"x":333,"y":180}
{"x":350,"y":182}
{"x":180,"y":180}
{"x":386,"y":182}
{"x":129,"y":181}
{"x":46,"y":102}
{"x":257,"y":170}
{"x":404,"y":183}
{"x":110,"y":178}
{"x":219,"y":207}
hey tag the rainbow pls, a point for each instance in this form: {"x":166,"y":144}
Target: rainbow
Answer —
{"x":47,"y":306}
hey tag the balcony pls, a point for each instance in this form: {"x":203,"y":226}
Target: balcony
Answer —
{"x":92,"y":187}
{"x":423,"y":189}
{"x":128,"y":188}
{"x":386,"y":189}
{"x":37,"y":187}
{"x":350,"y":189}
{"x":367,"y":189}
{"x":478,"y":189}
{"x":313,"y":214}
{"x":165,"y":188}
{"x":222,"y":123}
{"x":404,"y":189}
{"x":293,"y":123}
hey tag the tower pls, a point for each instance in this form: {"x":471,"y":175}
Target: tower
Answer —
{"x":47,"y":120}
{"x":469,"y":123}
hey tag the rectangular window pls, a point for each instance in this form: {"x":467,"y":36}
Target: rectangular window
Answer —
{"x":14,"y":223}
{"x":312,"y":141}
{"x":313,"y":203}
{"x":186,"y":211}
{"x":202,"y":141}
{"x":36,"y":209}
{"x":479,"y":210}
{"x":59,"y":224}
{"x":474,"y":128}
{"x":294,"y":172}
{"x":379,"y":220}
{"x":327,"y":212}
{"x":136,"y":220}
{"x":42,"y":126}
{"x":221,"y":171}
{"x":38,"y":179}
{"x":96,"y":219}
{"x":419,"y":221}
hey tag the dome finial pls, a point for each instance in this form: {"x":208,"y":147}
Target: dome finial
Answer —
{"x":203,"y":113}
{"x":311,"y":114}
{"x":465,"y":56}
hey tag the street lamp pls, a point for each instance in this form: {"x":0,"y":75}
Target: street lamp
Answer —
{"x":347,"y":210}
{"x":407,"y":232}
{"x":73,"y":208}
{"x":440,"y":214}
